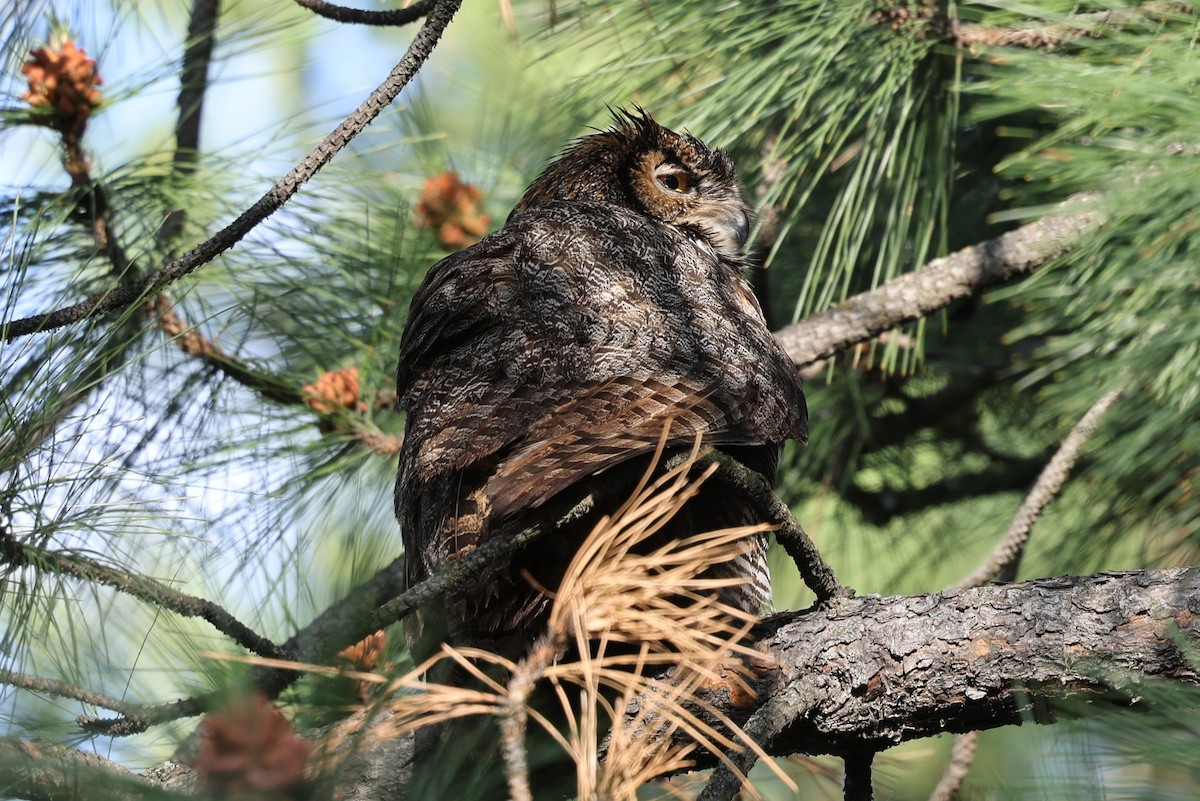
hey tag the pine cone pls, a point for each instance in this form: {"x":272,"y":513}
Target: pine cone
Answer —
{"x":452,"y":207}
{"x":250,"y":750}
{"x":334,"y":389}
{"x":63,"y":81}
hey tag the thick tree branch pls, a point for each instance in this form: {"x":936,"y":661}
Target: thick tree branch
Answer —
{"x":418,"y":51}
{"x":937,"y":284}
{"x":859,"y":675}
{"x":873,"y":672}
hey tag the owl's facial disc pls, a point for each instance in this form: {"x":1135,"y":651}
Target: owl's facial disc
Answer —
{"x":723,"y":223}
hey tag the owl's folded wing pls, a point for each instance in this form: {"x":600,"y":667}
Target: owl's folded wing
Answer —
{"x":604,"y":426}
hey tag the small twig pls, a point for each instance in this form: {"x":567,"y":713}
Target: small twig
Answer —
{"x":766,"y":722}
{"x":515,"y":718}
{"x":418,"y":51}
{"x":815,"y":571}
{"x":961,"y":757}
{"x":938,"y":284}
{"x":147,"y":716}
{"x":1049,"y":36}
{"x":858,"y":785}
{"x":1004,"y":560}
{"x":466,"y":568}
{"x":358,"y":16}
{"x":200,"y":347}
{"x":195,"y":344}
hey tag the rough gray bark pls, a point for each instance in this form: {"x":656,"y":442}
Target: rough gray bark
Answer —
{"x":862,"y":674}
{"x":878,"y":671}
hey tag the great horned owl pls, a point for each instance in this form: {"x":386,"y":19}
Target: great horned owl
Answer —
{"x":611,"y":300}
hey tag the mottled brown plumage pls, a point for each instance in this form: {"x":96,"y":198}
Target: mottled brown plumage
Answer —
{"x":611,"y":300}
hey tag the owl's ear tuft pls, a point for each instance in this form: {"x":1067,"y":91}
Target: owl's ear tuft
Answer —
{"x":635,"y":125}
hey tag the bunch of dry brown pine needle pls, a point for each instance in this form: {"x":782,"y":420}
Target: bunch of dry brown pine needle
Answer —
{"x":675,"y":638}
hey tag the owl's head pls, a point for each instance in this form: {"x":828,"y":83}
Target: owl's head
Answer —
{"x":671,"y":177}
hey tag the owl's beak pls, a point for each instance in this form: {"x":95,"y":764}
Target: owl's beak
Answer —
{"x":741,"y":227}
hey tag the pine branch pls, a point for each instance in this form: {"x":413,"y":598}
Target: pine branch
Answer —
{"x":195,"y":344}
{"x":18,"y":554}
{"x":40,"y":771}
{"x":122,"y":296}
{"x":1091,"y":24}
{"x":938,"y":284}
{"x":64,"y":689}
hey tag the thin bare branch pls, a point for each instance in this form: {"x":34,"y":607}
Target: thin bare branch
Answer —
{"x":375,"y":605}
{"x":358,"y":16}
{"x":193,"y":82}
{"x":815,"y":571}
{"x":961,"y":757}
{"x":939,"y":283}
{"x":418,"y":51}
{"x":1004,"y":560}
{"x":195,"y":344}
{"x":193,"y":87}
{"x":1048,"y":36}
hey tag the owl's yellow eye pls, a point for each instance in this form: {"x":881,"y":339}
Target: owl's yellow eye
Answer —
{"x":675,"y":181}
